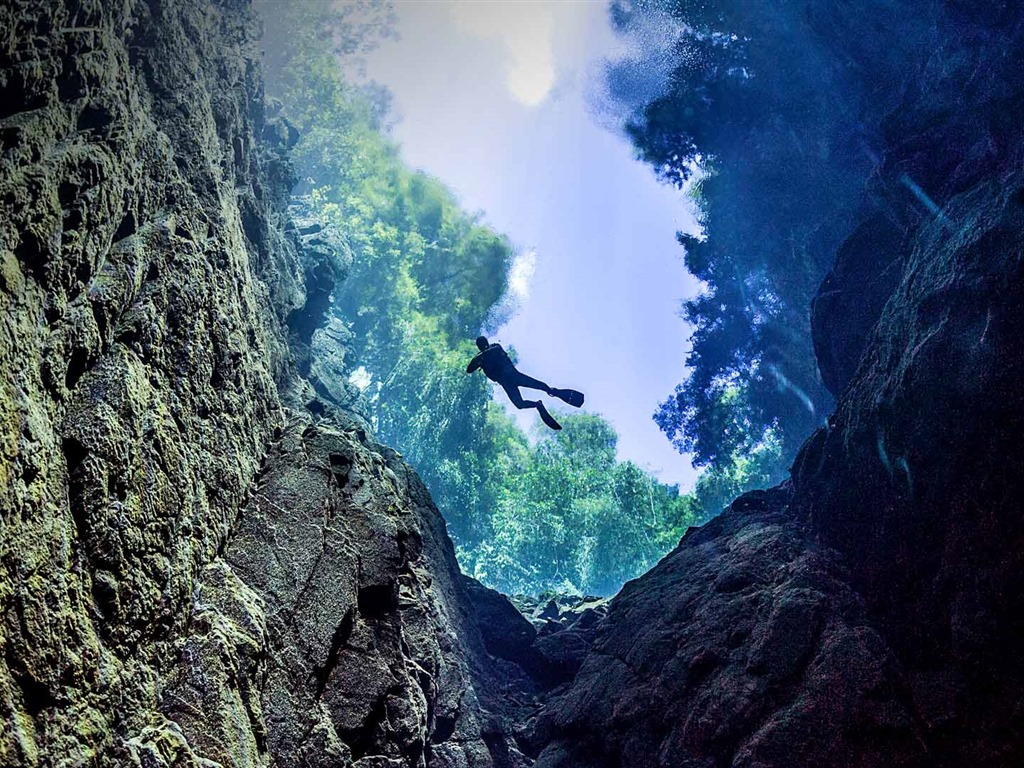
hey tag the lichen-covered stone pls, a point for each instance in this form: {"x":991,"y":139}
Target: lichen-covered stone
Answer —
{"x":139,"y":361}
{"x":331,"y":629}
{"x":191,"y":573}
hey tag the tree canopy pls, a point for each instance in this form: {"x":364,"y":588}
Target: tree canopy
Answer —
{"x":526,"y":514}
{"x":784,"y":119}
{"x":751,"y":119}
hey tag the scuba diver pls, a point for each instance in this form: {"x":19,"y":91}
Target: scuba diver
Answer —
{"x":498,"y":367}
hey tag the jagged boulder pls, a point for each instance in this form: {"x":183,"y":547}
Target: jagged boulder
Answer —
{"x":566,"y":627}
{"x":334,"y":620}
{"x":745,"y":646}
{"x":506,"y":632}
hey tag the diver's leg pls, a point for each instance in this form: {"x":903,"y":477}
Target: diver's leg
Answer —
{"x":517,"y":400}
{"x":516,"y":396}
{"x":522,"y":380}
{"x":546,"y":417}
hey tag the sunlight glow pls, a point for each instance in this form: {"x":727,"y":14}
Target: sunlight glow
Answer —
{"x":526,"y":31}
{"x":360,"y":378}
{"x":521,"y":273}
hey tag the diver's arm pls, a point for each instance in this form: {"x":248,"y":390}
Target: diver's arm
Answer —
{"x":473,"y":364}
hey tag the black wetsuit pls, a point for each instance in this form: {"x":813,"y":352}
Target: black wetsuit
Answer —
{"x":498,"y":367}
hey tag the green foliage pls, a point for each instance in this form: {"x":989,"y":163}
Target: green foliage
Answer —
{"x":557,"y":513}
{"x":803,"y":120}
{"x":567,"y":516}
{"x":755,"y":115}
{"x":755,"y":467}
{"x":797,"y":125}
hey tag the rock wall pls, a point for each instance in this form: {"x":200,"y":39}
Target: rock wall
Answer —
{"x":917,"y":480}
{"x":202,"y":560}
{"x":139,"y":361}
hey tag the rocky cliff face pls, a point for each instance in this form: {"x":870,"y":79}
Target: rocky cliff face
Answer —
{"x":332,"y":628}
{"x":202,"y":560}
{"x":746,"y":646}
{"x":139,"y":363}
{"x":916,"y":481}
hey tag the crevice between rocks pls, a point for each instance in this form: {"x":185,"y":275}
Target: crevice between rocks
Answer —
{"x":342,"y":633}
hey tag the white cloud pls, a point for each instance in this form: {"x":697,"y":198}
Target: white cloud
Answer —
{"x":526,"y":32}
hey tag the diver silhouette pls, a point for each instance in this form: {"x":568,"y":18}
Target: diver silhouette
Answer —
{"x":498,"y":367}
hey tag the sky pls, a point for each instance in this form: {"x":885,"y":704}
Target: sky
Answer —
{"x":491,"y":97}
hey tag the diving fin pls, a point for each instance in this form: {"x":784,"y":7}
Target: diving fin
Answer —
{"x":571,"y":396}
{"x":547,"y":418}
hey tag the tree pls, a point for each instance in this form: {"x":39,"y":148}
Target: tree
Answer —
{"x":569,"y":517}
{"x":757,"y":115}
{"x":525,"y":515}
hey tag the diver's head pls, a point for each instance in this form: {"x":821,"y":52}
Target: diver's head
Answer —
{"x":481,"y":343}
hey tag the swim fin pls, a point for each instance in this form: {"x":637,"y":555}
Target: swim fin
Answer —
{"x":571,"y":396}
{"x":547,"y":418}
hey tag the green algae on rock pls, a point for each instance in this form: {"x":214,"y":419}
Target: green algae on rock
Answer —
{"x":189,"y":565}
